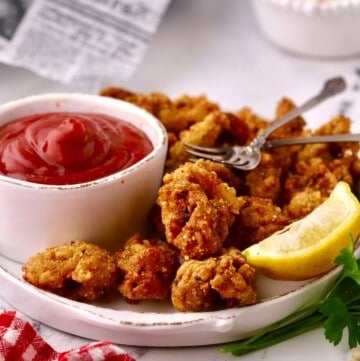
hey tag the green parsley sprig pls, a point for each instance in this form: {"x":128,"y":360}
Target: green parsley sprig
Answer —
{"x":339,"y":310}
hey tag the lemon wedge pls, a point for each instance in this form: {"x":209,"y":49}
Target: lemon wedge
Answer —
{"x":307,"y":248}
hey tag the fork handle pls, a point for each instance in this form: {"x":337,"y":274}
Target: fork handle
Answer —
{"x":331,"y":87}
{"x":313,"y":139}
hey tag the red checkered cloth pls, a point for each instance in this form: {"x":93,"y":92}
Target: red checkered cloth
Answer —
{"x":19,"y":341}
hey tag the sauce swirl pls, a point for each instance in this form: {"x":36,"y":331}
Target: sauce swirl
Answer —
{"x":69,"y":148}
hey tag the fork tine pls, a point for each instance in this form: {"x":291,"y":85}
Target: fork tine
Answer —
{"x":205,"y":150}
{"x":213,"y":157}
{"x":237,"y":164}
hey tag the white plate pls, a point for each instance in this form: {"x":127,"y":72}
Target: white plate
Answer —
{"x":157,"y":323}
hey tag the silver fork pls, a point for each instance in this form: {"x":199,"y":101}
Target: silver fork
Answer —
{"x":248,"y":157}
{"x":220,"y":153}
{"x":328,"y":138}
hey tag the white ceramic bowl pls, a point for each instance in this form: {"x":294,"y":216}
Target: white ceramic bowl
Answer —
{"x":314,"y":28}
{"x":105,"y":211}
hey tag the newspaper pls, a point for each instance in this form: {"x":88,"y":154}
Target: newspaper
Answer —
{"x":84,"y":43}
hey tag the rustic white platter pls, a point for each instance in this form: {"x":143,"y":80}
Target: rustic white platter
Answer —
{"x":158,"y":323}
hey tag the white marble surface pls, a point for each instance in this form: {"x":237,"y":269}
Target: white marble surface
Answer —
{"x":214,"y":47}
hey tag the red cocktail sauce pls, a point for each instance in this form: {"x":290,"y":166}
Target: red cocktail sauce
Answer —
{"x":69,"y":148}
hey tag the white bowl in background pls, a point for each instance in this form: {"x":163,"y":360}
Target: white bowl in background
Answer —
{"x":314,"y":28}
{"x":105,"y":211}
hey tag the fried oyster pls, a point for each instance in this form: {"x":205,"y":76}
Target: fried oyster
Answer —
{"x":216,"y":282}
{"x":147,"y":268}
{"x":258,"y":218}
{"x":317,"y":168}
{"x":192,"y":119}
{"x":197,"y":209}
{"x":77,"y":270}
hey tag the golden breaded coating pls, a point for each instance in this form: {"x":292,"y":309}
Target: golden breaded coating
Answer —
{"x":339,"y":124}
{"x":317,"y":169}
{"x":77,"y":270}
{"x":186,"y":111}
{"x":328,"y":151}
{"x":303,"y":202}
{"x":147,"y":268}
{"x":226,"y":174}
{"x":312,"y":184}
{"x":153,"y":102}
{"x":189,"y":119}
{"x":203,"y":133}
{"x":265,"y":180}
{"x":239,"y":133}
{"x":254,"y":122}
{"x":197,"y":209}
{"x":176,"y":115}
{"x":258,"y":218}
{"x":223,"y":281}
{"x":293,"y":128}
{"x":217,"y":128}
